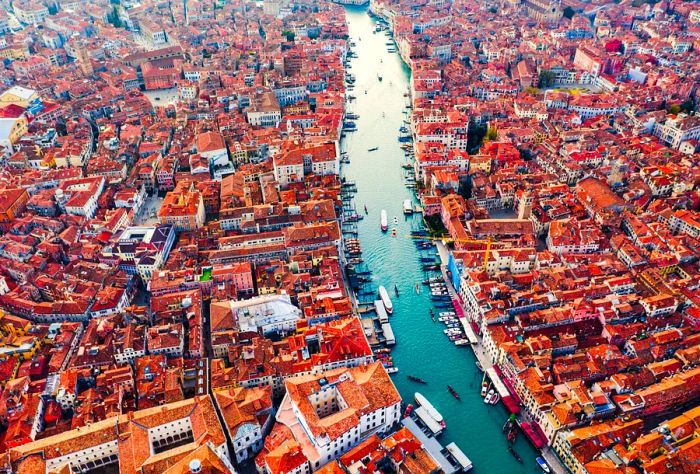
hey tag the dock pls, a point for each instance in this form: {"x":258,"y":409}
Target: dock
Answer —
{"x":370,"y":332}
{"x":433,"y":447}
{"x":388,"y":333}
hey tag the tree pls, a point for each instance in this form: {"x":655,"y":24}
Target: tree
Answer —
{"x":688,"y":106}
{"x":546,"y":79}
{"x":569,"y":12}
{"x":289,"y":35}
{"x":113,"y":18}
{"x":674,"y":109}
{"x":491,"y":134}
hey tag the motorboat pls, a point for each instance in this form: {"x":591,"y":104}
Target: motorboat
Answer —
{"x":429,"y":408}
{"x":383,"y":221}
{"x":384,"y":296}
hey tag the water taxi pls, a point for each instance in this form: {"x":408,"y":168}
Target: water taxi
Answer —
{"x":543,"y":464}
{"x":384,"y":296}
{"x":429,"y":408}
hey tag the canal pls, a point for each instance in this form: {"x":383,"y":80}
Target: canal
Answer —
{"x":422,"y":349}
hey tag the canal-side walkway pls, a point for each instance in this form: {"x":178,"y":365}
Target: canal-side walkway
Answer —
{"x":486,"y":362}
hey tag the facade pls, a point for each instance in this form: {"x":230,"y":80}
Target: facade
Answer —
{"x":334,"y":411}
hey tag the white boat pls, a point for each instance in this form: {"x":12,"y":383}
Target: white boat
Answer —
{"x":407,"y":207}
{"x":383,"y":222}
{"x":429,"y":408}
{"x":543,"y":464}
{"x":461,"y":342}
{"x":384,"y":296}
{"x":490,"y":396}
{"x":392,"y":370}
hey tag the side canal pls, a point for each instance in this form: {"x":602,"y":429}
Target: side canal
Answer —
{"x":422,"y":350}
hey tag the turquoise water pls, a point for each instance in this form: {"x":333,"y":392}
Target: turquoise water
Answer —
{"x":422,"y":349}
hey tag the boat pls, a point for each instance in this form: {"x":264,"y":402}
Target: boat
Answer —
{"x":514,"y":454}
{"x":478,"y":366}
{"x":413,"y":378}
{"x":409,"y":410}
{"x":392,"y":370}
{"x":383,"y":221}
{"x":374,"y":148}
{"x":453,"y":392}
{"x":429,"y":408}
{"x":396,"y":220}
{"x":542,"y":463}
{"x":384,"y":296}
{"x":352,"y":116}
{"x":407,"y":206}
{"x":379,"y":78}
{"x":396,"y":291}
{"x":495,"y":399}
{"x":461,"y":342}
{"x":403,"y":130}
{"x":366,"y":209}
{"x":393,"y":232}
{"x":489,"y":396}
{"x":484,"y":388}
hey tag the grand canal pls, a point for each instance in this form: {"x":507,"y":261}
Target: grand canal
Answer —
{"x":422,"y":349}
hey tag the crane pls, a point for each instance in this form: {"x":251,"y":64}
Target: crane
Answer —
{"x":446,"y":240}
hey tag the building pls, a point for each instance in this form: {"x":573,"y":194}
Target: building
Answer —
{"x":183,"y":208}
{"x":149,"y":440}
{"x":261,"y":314}
{"x":247,"y":415}
{"x":676,"y":130}
{"x":265,"y":111}
{"x":30,"y":13}
{"x":329,"y":413}
{"x":142,"y":250}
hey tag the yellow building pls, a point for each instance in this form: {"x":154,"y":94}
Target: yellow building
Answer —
{"x":11,"y":130}
{"x":18,"y":95}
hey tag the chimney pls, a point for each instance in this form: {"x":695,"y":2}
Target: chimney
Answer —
{"x":195,"y":466}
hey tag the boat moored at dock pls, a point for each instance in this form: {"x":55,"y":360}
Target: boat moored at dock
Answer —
{"x":384,"y":296}
{"x":543,"y":464}
{"x":429,"y":408}
{"x":407,"y":207}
